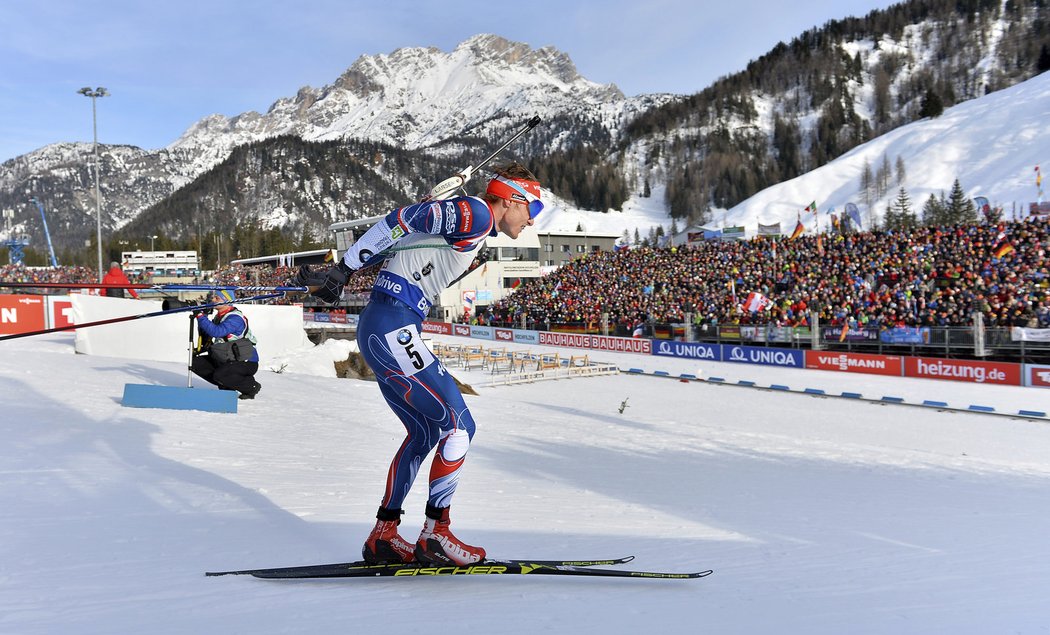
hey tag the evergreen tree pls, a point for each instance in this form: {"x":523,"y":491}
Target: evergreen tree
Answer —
{"x":902,"y":174}
{"x":867,"y":181}
{"x":899,"y":214}
{"x":932,"y":105}
{"x":932,"y":212}
{"x":1043,"y":63}
{"x":960,"y":208}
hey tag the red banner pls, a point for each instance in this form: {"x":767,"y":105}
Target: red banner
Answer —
{"x":854,"y":363}
{"x":463,"y":330}
{"x":504,"y":335}
{"x":1005,"y":373}
{"x":598,"y":342}
{"x":21,"y":313}
{"x":61,"y":313}
{"x":1038,"y":376}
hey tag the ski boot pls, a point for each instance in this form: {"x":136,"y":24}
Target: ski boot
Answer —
{"x":384,"y":545}
{"x":437,"y":545}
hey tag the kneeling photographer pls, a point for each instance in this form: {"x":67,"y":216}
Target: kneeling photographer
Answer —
{"x":226,"y":355}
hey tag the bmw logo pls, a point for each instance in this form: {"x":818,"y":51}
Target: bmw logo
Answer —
{"x":404,"y":336}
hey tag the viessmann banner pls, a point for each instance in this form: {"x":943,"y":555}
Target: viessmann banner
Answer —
{"x":21,"y":314}
{"x":891,"y":365}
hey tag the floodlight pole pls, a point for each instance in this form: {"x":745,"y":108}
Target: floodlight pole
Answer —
{"x":93,"y":94}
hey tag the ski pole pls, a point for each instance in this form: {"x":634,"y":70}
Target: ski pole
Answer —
{"x":126,"y":318}
{"x":152,"y":287}
{"x":458,"y":180}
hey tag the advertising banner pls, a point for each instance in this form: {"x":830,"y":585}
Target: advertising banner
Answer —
{"x":598,"y":342}
{"x":764,"y":356}
{"x":462,"y":330}
{"x":835,"y":334}
{"x":441,"y":328}
{"x":21,"y":314}
{"x":481,"y":332}
{"x":526,"y":337}
{"x":1021,"y":334}
{"x":59,"y":311}
{"x":503,"y":335}
{"x":691,"y":350}
{"x":891,"y":365}
{"x":1005,"y":373}
{"x":906,"y":335}
{"x":1037,"y":375}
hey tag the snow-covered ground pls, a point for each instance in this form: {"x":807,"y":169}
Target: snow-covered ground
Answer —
{"x":817,"y":515}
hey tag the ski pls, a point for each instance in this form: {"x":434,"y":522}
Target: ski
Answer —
{"x":321,"y":570}
{"x":487,"y":567}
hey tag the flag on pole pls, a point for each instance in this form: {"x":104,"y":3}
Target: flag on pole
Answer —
{"x":844,"y":332}
{"x":756,"y":302}
{"x":853,"y":213}
{"x":812,"y":207}
{"x":1003,"y":247}
{"x":799,"y":228}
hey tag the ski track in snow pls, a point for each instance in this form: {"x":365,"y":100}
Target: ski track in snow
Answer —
{"x":817,"y":515}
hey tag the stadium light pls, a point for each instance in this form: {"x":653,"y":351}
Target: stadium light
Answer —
{"x":93,"y":94}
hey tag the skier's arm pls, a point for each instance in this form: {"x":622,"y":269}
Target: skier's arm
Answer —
{"x":462,"y":222}
{"x":367,"y":250}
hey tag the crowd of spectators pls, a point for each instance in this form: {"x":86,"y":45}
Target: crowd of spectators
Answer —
{"x":926,"y":276}
{"x":48,"y":275}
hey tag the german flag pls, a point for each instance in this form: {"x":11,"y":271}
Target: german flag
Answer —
{"x":799,"y":228}
{"x":1004,"y":248}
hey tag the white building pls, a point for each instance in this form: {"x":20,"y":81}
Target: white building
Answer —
{"x":161,"y":263}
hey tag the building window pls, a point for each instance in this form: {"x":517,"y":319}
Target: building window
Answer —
{"x":565,"y":249}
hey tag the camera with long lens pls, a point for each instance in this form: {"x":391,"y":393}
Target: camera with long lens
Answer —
{"x":171,"y":303}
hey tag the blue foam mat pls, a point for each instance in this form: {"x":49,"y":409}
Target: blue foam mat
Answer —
{"x":179,"y":398}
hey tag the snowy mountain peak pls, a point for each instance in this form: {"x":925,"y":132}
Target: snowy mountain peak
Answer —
{"x":414,"y":97}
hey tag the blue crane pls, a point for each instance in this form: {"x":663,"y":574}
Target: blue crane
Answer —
{"x":47,"y":234}
{"x":15,"y":244}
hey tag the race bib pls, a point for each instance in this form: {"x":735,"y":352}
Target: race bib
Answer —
{"x":409,"y":351}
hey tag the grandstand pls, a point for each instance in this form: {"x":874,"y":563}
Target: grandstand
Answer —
{"x":950,"y":291}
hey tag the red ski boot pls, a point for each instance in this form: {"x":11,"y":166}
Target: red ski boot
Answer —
{"x":437,"y":545}
{"x":384,"y":545}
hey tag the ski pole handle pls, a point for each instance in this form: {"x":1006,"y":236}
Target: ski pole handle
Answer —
{"x":448,"y":185}
{"x":459,"y":180}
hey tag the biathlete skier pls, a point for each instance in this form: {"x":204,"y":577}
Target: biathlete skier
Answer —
{"x":424,"y":247}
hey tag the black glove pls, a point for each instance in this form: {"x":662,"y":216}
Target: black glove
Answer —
{"x":329,"y":284}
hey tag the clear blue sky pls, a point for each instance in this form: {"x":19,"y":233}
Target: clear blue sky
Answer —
{"x":168,"y":64}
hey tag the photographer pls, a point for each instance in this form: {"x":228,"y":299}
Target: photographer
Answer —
{"x":226,"y":355}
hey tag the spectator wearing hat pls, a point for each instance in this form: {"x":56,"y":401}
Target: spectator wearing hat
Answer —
{"x":226,"y":355}
{"x":116,"y":275}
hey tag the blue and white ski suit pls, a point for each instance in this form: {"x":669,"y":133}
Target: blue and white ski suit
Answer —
{"x":431,"y":245}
